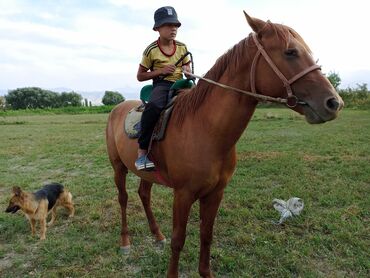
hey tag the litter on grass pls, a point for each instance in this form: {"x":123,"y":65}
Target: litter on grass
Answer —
{"x":290,"y":208}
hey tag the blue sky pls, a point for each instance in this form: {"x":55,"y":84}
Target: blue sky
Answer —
{"x":97,"y":45}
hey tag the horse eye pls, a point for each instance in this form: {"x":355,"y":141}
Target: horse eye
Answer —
{"x":291,"y":52}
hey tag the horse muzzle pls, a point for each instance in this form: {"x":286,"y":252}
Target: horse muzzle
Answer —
{"x":329,"y":110}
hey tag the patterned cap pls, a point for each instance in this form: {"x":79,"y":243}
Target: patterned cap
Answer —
{"x":165,"y":15}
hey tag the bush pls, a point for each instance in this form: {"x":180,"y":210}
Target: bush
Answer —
{"x":34,"y":97}
{"x":2,"y":103}
{"x":112,"y":98}
{"x":358,"y":97}
{"x":103,"y":109}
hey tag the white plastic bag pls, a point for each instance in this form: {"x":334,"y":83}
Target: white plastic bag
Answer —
{"x":290,"y":208}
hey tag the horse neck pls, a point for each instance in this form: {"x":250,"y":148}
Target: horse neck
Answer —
{"x":220,"y":114}
{"x":226,"y":114}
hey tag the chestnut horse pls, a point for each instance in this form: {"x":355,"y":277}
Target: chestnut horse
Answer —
{"x":197,"y":157}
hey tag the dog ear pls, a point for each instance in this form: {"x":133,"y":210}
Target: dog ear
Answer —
{"x":17,"y":191}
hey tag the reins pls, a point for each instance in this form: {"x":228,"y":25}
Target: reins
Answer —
{"x":265,"y":98}
{"x":291,"y":101}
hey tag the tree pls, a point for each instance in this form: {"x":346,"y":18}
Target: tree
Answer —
{"x":34,"y":97}
{"x":31,"y":97}
{"x":69,"y":99}
{"x":334,"y":79}
{"x":2,"y":103}
{"x":112,"y":98}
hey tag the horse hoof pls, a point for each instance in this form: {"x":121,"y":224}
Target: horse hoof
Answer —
{"x":161,"y":243}
{"x":125,"y":250}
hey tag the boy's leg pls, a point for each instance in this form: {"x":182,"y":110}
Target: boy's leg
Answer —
{"x":149,"y":118}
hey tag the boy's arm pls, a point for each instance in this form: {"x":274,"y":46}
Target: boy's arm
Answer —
{"x":187,"y":68}
{"x":144,"y":74}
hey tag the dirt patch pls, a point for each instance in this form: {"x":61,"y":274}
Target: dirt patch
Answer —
{"x":7,"y":261}
{"x":310,"y":158}
{"x":326,"y":269}
{"x":257,"y":155}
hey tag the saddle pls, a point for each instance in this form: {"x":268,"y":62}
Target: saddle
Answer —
{"x":132,"y":125}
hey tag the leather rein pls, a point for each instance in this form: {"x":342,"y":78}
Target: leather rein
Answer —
{"x":291,"y":101}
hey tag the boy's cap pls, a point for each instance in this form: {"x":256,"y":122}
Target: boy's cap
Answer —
{"x":165,"y":15}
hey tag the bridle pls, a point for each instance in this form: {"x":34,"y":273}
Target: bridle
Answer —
{"x":291,"y":101}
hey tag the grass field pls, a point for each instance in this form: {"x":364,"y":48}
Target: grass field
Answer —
{"x":279,"y":156}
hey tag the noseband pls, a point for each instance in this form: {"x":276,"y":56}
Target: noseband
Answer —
{"x":291,"y":100}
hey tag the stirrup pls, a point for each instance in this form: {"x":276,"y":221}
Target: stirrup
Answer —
{"x":144,"y":163}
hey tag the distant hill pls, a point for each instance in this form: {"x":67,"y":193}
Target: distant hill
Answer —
{"x":96,"y":96}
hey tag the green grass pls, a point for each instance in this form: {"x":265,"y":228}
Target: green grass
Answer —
{"x":57,"y":111}
{"x":279,"y":156}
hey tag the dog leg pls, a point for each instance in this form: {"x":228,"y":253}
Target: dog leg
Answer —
{"x":71,"y":209}
{"x":69,"y":205}
{"x":42,"y":229}
{"x":53,"y":216}
{"x":33,"y":222}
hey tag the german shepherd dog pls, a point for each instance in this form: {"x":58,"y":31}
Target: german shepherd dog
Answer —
{"x":37,"y":205}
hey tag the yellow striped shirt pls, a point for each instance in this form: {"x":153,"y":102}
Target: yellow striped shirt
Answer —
{"x":154,"y":58}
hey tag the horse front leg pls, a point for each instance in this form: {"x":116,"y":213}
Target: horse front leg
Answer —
{"x":120,"y":172}
{"x":181,"y":209}
{"x":145,"y":196}
{"x":208,"y":210}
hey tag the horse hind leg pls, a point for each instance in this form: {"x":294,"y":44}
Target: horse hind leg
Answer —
{"x":120,"y":172}
{"x":145,"y":196}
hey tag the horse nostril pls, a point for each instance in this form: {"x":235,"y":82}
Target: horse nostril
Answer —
{"x":333,"y":104}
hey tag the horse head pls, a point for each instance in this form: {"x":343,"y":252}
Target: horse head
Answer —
{"x":287,"y":69}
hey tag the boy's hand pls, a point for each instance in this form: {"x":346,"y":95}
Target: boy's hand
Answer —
{"x":188,"y":69}
{"x":167,"y":70}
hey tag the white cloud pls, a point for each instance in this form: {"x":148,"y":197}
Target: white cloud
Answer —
{"x":100,"y":48}
{"x":139,"y":5}
{"x":9,"y":8}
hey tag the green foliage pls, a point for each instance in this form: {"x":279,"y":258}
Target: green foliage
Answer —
{"x":31,"y":97}
{"x":2,"y":102}
{"x":279,"y":156}
{"x":34,"y":97}
{"x":334,"y":79}
{"x":112,"y":98}
{"x":358,"y":97}
{"x":57,"y":111}
{"x":69,"y":99}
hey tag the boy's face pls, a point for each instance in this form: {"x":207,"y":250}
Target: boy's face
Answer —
{"x":168,"y":31}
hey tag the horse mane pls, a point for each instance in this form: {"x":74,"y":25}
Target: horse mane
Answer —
{"x":189,"y":100}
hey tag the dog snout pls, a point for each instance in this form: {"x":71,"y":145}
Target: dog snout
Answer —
{"x":12,"y":209}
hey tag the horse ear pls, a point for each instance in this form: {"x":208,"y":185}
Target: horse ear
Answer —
{"x":255,"y":23}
